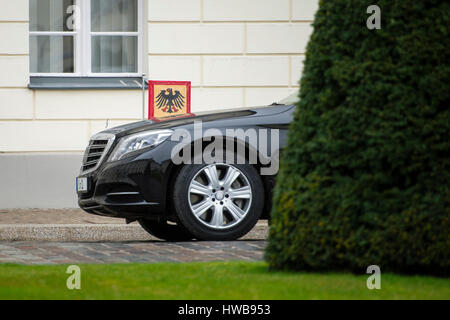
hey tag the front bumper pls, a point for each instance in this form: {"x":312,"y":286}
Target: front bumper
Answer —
{"x":130,"y":188}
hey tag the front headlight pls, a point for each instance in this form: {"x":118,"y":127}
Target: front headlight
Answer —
{"x":139,"y":141}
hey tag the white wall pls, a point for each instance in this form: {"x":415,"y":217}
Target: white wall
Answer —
{"x":236,"y":53}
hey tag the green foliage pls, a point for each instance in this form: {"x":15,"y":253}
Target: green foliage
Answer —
{"x":365,"y":178}
{"x":206,"y":281}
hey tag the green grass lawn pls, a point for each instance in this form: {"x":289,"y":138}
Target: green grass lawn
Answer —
{"x":221,"y":280}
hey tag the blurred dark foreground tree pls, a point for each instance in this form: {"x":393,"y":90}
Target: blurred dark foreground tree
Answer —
{"x":365,"y":178}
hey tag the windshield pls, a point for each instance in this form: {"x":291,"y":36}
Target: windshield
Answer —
{"x":292,"y":99}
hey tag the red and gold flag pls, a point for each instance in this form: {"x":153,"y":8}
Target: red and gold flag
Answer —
{"x":169,"y":99}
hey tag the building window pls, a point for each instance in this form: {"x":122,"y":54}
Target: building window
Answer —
{"x":86,"y":37}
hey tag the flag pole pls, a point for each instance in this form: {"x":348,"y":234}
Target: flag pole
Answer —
{"x":143,"y":96}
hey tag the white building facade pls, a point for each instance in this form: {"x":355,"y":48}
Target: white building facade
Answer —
{"x":60,"y":84}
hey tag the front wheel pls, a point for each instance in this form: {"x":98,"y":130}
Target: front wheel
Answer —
{"x":218,"y":201}
{"x":165,"y":231}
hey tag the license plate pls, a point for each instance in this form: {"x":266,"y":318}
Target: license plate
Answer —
{"x":82,"y":185}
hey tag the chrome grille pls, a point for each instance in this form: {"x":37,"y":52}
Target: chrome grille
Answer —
{"x":95,"y":152}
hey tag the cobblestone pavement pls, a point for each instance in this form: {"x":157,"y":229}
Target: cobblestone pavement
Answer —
{"x":47,"y":253}
{"x":53,"y":216}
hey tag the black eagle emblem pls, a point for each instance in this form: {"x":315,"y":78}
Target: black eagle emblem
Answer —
{"x":170,"y":102}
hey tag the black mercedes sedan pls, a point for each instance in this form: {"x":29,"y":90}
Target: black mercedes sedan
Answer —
{"x":203,"y":176}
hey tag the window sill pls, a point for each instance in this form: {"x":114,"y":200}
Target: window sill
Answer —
{"x":81,"y":83}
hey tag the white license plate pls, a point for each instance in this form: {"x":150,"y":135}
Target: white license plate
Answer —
{"x":82,"y":185}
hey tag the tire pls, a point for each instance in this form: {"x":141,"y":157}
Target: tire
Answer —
{"x":164,"y":231}
{"x":196,"y":188}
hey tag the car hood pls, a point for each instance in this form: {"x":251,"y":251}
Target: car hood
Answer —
{"x":174,"y":122}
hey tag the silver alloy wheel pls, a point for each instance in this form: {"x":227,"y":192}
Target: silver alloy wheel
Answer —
{"x":220,"y":196}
